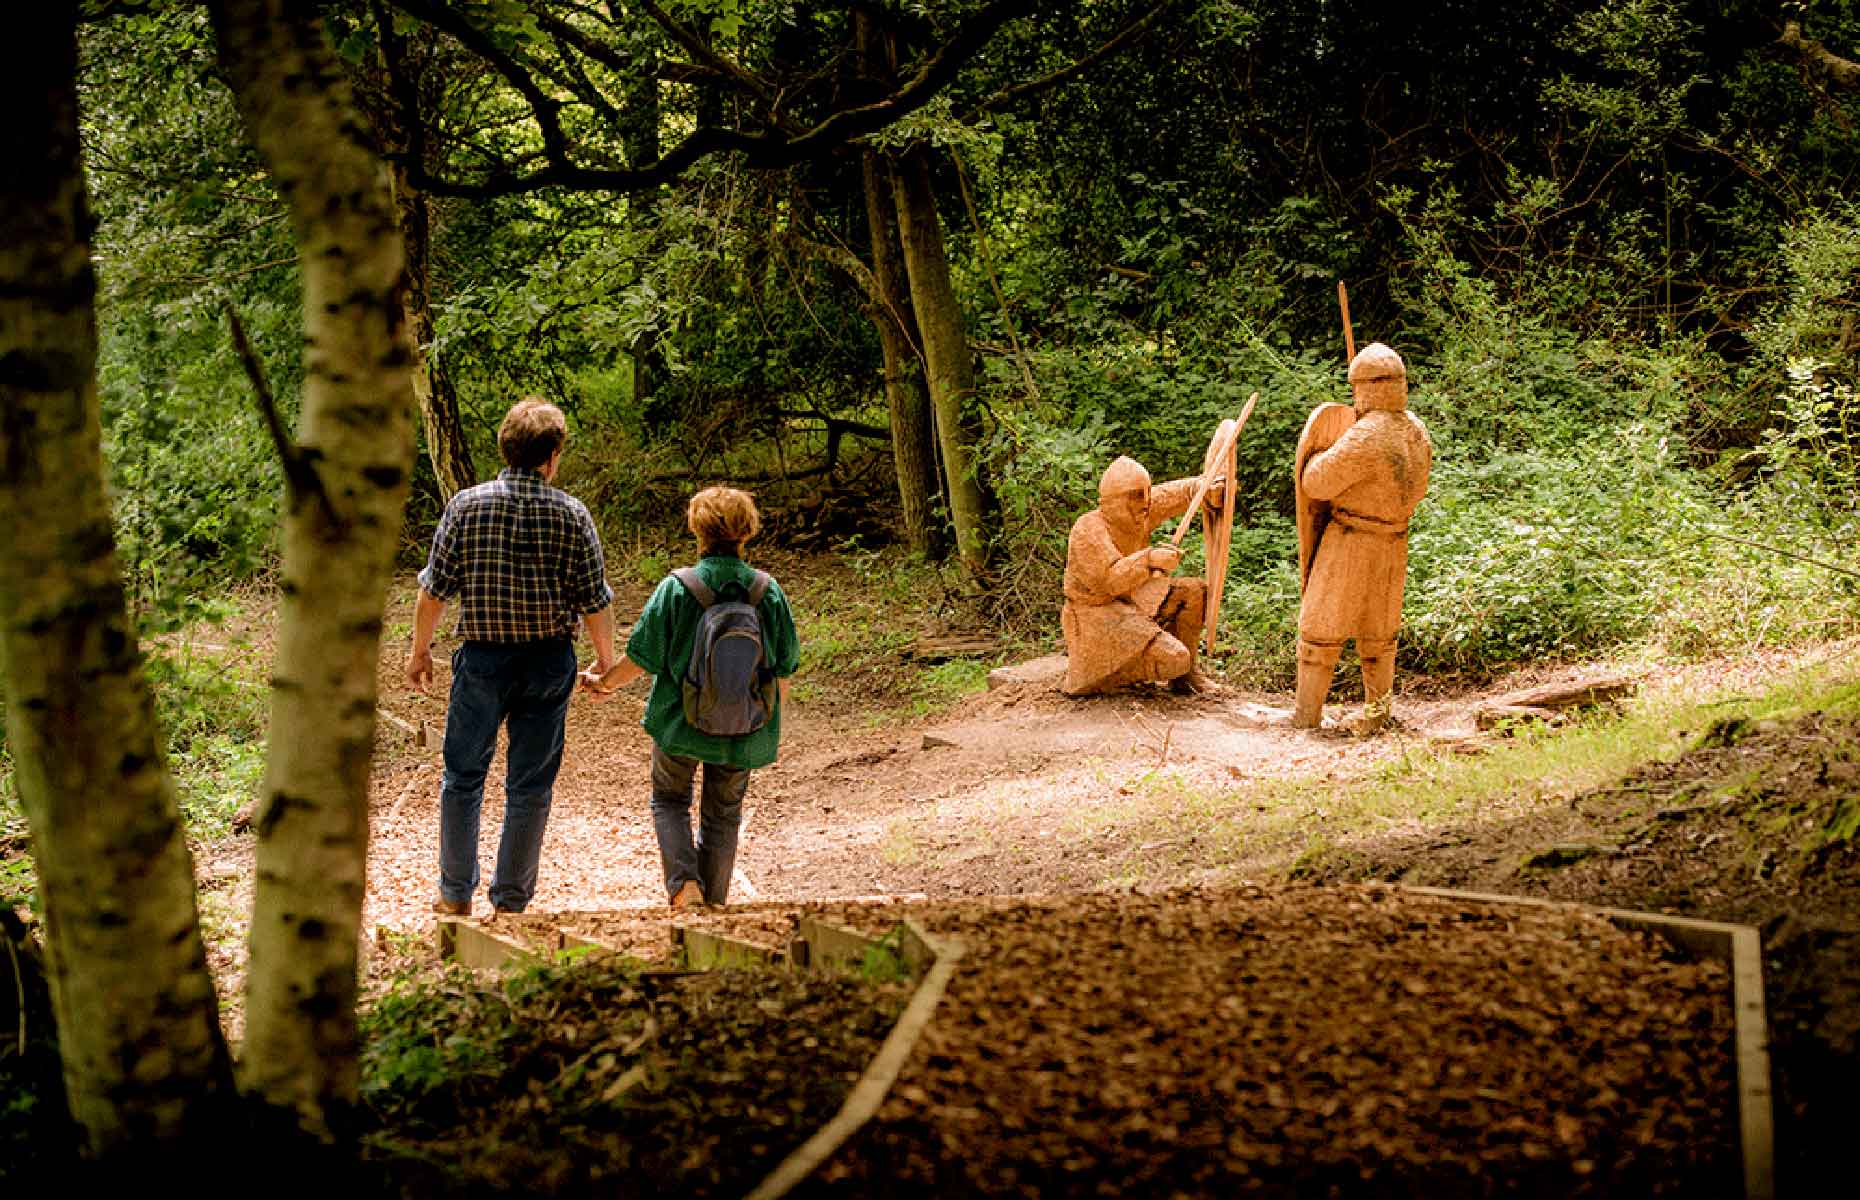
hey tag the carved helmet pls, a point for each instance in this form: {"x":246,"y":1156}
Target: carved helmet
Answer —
{"x":1379,"y":379}
{"x":1123,"y":477}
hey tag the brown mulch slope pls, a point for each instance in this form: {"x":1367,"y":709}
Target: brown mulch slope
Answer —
{"x":1755,"y":824}
{"x":1297,"y":1041}
{"x":1288,"y":1041}
{"x":603,"y":1081}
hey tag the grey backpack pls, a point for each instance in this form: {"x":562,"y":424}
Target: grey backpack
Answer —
{"x":729,"y":688}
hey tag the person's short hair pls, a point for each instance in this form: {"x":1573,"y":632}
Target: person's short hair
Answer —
{"x":533,"y":430}
{"x":722,"y":518}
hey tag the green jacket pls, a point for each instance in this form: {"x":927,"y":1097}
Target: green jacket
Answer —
{"x":662,"y":641}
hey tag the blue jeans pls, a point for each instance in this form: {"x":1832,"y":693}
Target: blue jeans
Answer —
{"x":720,"y":813}
{"x":525,"y":686}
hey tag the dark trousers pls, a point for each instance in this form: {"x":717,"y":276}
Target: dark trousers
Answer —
{"x":712,"y":858}
{"x":524,"y":686}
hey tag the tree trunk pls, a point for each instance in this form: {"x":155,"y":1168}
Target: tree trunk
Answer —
{"x":341,"y":530}
{"x":913,"y":453}
{"x":946,"y":356}
{"x":639,"y":142}
{"x":437,"y":399}
{"x":145,"y":1064}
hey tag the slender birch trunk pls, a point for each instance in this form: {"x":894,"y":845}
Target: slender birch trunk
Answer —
{"x":145,"y":1064}
{"x":946,"y":356}
{"x":349,"y":484}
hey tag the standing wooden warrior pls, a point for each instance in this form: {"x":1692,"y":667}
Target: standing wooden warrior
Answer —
{"x":1361,"y":472}
{"x":1125,"y":619}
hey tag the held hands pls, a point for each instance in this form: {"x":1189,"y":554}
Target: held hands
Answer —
{"x":592,"y":681}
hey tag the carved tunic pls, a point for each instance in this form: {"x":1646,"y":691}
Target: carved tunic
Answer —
{"x":1109,"y":617}
{"x":1373,"y":478}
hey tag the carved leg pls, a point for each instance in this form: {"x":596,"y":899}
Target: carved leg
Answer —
{"x":1182,"y":616}
{"x":1378,"y":682}
{"x":1316,"y":663}
{"x":1166,"y":658}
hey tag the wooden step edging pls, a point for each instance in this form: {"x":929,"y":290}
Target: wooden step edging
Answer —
{"x":472,"y":944}
{"x":1740,"y":949}
{"x":940,"y":956}
{"x":703,"y":949}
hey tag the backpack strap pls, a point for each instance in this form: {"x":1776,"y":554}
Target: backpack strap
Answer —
{"x":757,"y":588}
{"x":694,"y":583}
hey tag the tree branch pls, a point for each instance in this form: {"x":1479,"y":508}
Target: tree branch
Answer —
{"x":1119,"y":40}
{"x":763,"y":151}
{"x":300,"y":476}
{"x":1841,"y":72}
{"x":701,"y":52}
{"x":545,"y":109}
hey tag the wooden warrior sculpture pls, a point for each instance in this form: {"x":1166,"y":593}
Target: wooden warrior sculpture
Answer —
{"x":1360,"y":474}
{"x":1125,"y":619}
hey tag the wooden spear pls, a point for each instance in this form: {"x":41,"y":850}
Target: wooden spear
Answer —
{"x":1201,"y":489}
{"x":1349,"y":335}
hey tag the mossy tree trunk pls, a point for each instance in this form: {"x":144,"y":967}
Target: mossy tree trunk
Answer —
{"x":912,"y":449}
{"x":639,"y":142}
{"x":913,"y":452}
{"x":433,"y":392}
{"x":348,"y":488}
{"x":947,"y":361}
{"x":145,"y":1066}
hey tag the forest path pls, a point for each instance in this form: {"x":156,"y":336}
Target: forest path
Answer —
{"x":1016,"y":790}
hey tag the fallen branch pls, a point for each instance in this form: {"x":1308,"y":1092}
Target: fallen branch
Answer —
{"x":1827,"y":566}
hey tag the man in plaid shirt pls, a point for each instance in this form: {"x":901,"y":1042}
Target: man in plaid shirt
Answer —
{"x":524,"y":561}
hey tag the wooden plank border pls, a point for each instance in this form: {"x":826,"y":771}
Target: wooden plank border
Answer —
{"x":1740,"y":948}
{"x":702,"y":949}
{"x":830,"y":945}
{"x":471,"y":944}
{"x":875,"y":1084}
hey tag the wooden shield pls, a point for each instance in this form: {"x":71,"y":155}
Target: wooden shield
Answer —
{"x":1217,"y":535}
{"x":1323,"y":427}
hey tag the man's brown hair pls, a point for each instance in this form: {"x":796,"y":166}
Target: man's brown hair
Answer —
{"x":722,"y":518}
{"x":533,"y":430}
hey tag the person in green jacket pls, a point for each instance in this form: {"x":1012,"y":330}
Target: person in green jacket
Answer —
{"x":661,"y":645}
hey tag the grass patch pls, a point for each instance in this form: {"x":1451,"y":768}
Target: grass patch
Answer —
{"x":1301,"y":823}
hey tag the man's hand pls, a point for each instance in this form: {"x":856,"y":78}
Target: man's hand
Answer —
{"x":420,"y":669}
{"x":591,"y":684}
{"x":1165,"y":558}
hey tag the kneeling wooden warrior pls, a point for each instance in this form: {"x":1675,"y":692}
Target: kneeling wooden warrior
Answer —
{"x":1361,"y":472}
{"x":1125,"y":619}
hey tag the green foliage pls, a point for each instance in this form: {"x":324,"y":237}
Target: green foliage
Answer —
{"x":884,"y":960}
{"x":186,"y":224}
{"x":418,"y":1056}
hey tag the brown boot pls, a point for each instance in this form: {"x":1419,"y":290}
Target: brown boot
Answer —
{"x":1316,"y":664}
{"x":691,"y":895}
{"x":452,"y":908}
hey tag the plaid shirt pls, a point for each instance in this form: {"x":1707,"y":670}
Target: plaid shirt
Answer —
{"x":523,"y":555}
